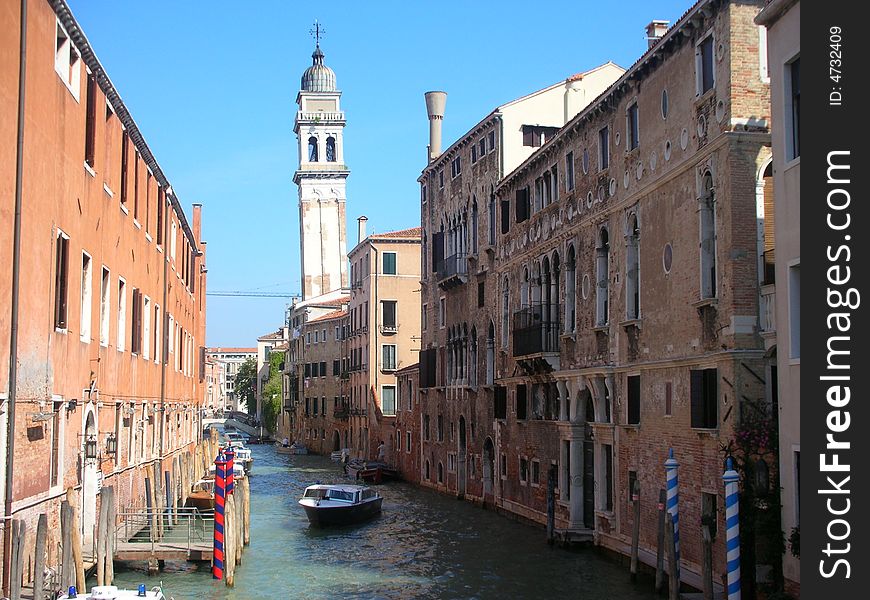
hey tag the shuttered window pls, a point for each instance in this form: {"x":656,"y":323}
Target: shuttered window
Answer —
{"x":634,"y":400}
{"x":704,"y":398}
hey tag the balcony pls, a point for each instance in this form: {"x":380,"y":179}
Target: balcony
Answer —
{"x":767,"y":312}
{"x":452,"y":271}
{"x":390,"y":329}
{"x":320,"y":116}
{"x":356,"y":285}
{"x":536,"y":330}
{"x":357,"y":412}
{"x":341,"y":412}
{"x":358,"y":367}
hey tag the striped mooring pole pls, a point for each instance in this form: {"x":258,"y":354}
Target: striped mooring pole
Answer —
{"x":732,"y":529}
{"x":230,"y":456}
{"x":673,"y":500}
{"x":220,"y":465}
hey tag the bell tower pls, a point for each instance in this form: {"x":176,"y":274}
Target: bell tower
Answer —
{"x":321,"y":179}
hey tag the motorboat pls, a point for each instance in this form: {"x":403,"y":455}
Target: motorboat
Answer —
{"x":294,"y":448}
{"x":326,"y":504}
{"x":238,"y":469}
{"x":243,"y":455}
{"x":370,"y":471}
{"x":201,"y":495}
{"x":111,"y":592}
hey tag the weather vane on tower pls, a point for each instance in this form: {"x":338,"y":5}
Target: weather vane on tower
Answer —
{"x":317,"y":31}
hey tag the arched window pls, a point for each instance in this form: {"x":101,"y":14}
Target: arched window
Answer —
{"x":490,"y":354}
{"x":570,"y":291}
{"x":708,"y":237}
{"x":312,"y":149}
{"x":330,"y":149}
{"x":505,"y":311}
{"x":524,"y":289}
{"x":472,"y":358}
{"x":491,"y":216}
{"x":474,"y":226}
{"x":632,"y":269}
{"x":602,"y":277}
{"x":556,"y":295}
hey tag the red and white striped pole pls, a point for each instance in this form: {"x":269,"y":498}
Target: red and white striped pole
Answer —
{"x":219,"y":500}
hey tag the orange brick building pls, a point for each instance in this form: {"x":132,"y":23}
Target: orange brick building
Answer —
{"x":103,"y":318}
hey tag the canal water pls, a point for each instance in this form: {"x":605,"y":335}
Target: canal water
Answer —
{"x":423,"y":545}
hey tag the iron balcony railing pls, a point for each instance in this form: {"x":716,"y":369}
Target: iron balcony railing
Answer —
{"x":536,"y":329}
{"x":452,"y":266}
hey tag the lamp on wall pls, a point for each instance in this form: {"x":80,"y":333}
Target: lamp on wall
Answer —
{"x":111,"y":445}
{"x":91,"y":447}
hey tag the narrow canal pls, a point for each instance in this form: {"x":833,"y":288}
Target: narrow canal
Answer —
{"x":424,"y":545}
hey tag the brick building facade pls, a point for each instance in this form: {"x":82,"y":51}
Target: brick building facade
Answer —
{"x":109,"y":312}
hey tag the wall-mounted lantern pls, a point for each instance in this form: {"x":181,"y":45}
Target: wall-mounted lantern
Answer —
{"x":91,"y":447}
{"x":111,"y":445}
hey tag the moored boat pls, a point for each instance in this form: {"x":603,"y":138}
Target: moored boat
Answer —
{"x":111,"y":592}
{"x":202,"y":495}
{"x":340,"y":504}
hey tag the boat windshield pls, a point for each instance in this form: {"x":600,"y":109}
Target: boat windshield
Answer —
{"x":329,"y":494}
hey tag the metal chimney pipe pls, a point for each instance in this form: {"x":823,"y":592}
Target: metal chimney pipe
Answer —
{"x":435,"y":103}
{"x":361,"y":228}
{"x":655,"y":30}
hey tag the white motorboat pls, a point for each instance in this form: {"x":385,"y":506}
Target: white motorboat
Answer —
{"x":340,"y":504}
{"x":111,"y":592}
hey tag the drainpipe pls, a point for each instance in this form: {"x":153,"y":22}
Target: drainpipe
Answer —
{"x":13,"y":320}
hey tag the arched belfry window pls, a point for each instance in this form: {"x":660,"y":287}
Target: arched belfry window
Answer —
{"x":632,"y":268}
{"x":330,"y":149}
{"x":603,"y":277}
{"x":707,"y":212}
{"x":312,"y":149}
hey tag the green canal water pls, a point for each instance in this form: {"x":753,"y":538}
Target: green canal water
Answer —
{"x":424,"y":545}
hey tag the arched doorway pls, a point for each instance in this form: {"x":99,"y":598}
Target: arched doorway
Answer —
{"x":90,"y":468}
{"x":589,"y":467}
{"x":488,"y":469}
{"x":463,"y":448}
{"x":336,"y":441}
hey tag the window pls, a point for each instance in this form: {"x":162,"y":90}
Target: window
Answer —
{"x":793,"y":109}
{"x":503,"y":466}
{"x":157,"y":350}
{"x":569,"y":171}
{"x":61,"y":279}
{"x":125,"y":150}
{"x":323,"y":368}
{"x":571,"y":291}
{"x":136,"y":324}
{"x":388,"y":400}
{"x":505,"y":311}
{"x":491,"y":141}
{"x":426,"y":476}
{"x":585,"y":161}
{"x":608,"y":476}
{"x":388,"y":315}
{"x":67,"y":62}
{"x":500,"y":402}
{"x":632,"y":480}
{"x":161,"y":201}
{"x":505,"y":215}
{"x":536,"y":472}
{"x":442,"y":312}
{"x":389,"y":357}
{"x":426,"y":435}
{"x":122,"y":313}
{"x":424,"y":317}
{"x":524,"y":470}
{"x":633,"y":386}
{"x":330,"y":149}
{"x":90,"y":119}
{"x":440,"y":428}
{"x":423,"y":194}
{"x":481,"y":292}
{"x":535,"y":135}
{"x":105,"y":308}
{"x":492,"y":219}
{"x":389,"y":259}
{"x":704,"y":398}
{"x":704,"y":65}
{"x":440,"y":473}
{"x":632,"y":269}
{"x":336,"y":367}
{"x":669,"y":398}
{"x":312,"y":149}
{"x":473,"y":153}
{"x":172,"y":239}
{"x":86,"y":298}
{"x":456,"y":167}
{"x":56,"y":435}
{"x":408,"y":442}
{"x":441,"y":179}
{"x":794,"y":310}
{"x":632,"y":132}
{"x":481,"y":147}
{"x":603,"y":148}
{"x":522,"y":403}
{"x":136,"y":189}
{"x":146,"y":328}
{"x":522,"y":205}
{"x":708,"y":237}
{"x":474,"y":226}
{"x":603,"y":277}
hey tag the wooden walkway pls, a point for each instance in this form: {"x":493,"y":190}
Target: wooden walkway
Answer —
{"x":164,"y":550}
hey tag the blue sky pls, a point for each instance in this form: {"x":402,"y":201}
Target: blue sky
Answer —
{"x":213,"y":86}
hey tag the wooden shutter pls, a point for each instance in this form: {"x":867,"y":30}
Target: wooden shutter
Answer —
{"x":522,"y":403}
{"x":521,"y":206}
{"x":634,"y":400}
{"x":697,"y":398}
{"x":505,"y":216}
{"x":437,"y":250}
{"x":61,"y":282}
{"x":711,"y":398}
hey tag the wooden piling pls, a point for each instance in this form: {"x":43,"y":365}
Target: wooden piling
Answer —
{"x":111,"y":518}
{"x":707,"y":565}
{"x":168,"y":492}
{"x":239,"y":518}
{"x":39,"y":557}
{"x":76,"y":540}
{"x":635,"y":530}
{"x":149,"y":506}
{"x":19,"y":528}
{"x":673,"y":581}
{"x":99,"y":543}
{"x":67,"y":569}
{"x":229,"y":542}
{"x":660,"y":543}
{"x":246,"y":488}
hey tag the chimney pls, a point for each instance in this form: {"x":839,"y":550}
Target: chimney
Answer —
{"x":435,"y":102}
{"x":655,"y":30}
{"x":361,"y":228}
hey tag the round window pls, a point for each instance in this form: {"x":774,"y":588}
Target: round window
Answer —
{"x":668,"y":257}
{"x":585,"y":161}
{"x":664,"y":104}
{"x":584,"y":287}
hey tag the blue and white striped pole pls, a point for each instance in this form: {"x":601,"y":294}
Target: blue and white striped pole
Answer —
{"x":673,"y":499}
{"x":732,"y":529}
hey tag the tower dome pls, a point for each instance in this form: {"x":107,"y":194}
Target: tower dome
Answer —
{"x":318,"y":77}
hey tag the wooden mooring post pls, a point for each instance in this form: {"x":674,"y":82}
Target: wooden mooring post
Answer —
{"x":19,"y":529}
{"x":246,"y":491}
{"x":75,"y":539}
{"x":635,"y":530}
{"x":707,"y":565}
{"x":39,"y":556}
{"x":673,"y":578}
{"x":67,"y":570}
{"x":660,"y":544}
